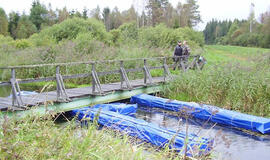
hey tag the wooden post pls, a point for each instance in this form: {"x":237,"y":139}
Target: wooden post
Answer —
{"x":93,"y":81}
{"x":164,"y":68}
{"x":121,"y":74}
{"x":14,"y":93}
{"x":145,"y":75}
{"x":57,"y":72}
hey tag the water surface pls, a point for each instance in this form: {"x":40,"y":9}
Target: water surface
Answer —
{"x":229,"y":143}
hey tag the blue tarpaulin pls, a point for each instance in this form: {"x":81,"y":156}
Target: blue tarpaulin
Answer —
{"x":145,"y":131}
{"x":121,"y":108}
{"x":207,"y":112}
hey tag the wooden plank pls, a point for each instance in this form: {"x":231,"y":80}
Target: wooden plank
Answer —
{"x":41,"y":98}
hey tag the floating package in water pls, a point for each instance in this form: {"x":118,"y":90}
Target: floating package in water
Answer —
{"x":121,"y":108}
{"x":143,"y":130}
{"x":207,"y":112}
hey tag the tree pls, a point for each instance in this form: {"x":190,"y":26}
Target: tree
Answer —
{"x":84,"y":15}
{"x":25,"y":27}
{"x":106,"y":17}
{"x":129,"y":15}
{"x":168,"y":14}
{"x":156,"y":10}
{"x":38,"y":14}
{"x":13,"y":23}
{"x":116,"y":18}
{"x":62,"y":14}
{"x":95,"y":13}
{"x":51,"y":16}
{"x":3,"y":23}
{"x":191,"y":12}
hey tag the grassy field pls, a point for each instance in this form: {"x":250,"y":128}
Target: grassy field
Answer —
{"x":232,"y":54}
{"x":235,"y":78}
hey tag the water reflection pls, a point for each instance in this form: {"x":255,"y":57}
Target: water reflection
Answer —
{"x":229,"y":144}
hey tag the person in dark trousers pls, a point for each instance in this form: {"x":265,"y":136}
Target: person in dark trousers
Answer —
{"x":178,"y":52}
{"x":186,"y":52}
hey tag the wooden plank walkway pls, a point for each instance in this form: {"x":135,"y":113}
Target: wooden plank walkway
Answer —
{"x":41,"y":98}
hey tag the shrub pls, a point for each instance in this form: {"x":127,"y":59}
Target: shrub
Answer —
{"x":86,"y":44}
{"x":162,"y":36}
{"x":5,"y":40}
{"x":45,"y":40}
{"x":129,"y":31}
{"x":116,"y":36}
{"x":22,"y":43}
{"x":70,"y":29}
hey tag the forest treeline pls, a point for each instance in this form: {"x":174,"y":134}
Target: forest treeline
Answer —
{"x":250,"y":32}
{"x":20,"y":26}
{"x":155,"y":13}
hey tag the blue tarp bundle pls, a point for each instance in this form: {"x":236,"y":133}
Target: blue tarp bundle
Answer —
{"x":121,"y":108}
{"x":145,"y":131}
{"x":207,"y":112}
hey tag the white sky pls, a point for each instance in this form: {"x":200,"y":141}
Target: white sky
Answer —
{"x":218,"y":9}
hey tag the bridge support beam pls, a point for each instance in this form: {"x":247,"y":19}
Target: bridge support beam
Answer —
{"x":60,"y":87}
{"x":147,"y":74}
{"x":166,"y":70}
{"x":16,"y":91}
{"x":124,"y":77}
{"x":96,"y":86}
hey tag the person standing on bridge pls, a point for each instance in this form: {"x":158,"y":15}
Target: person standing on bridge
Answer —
{"x":178,"y":52}
{"x":186,"y":52}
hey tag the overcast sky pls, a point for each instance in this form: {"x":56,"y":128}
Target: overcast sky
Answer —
{"x":218,"y":9}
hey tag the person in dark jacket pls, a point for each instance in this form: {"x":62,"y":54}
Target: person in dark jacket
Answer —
{"x":186,"y":52}
{"x":178,"y":52}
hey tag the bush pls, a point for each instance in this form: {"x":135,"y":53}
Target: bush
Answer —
{"x":71,"y":28}
{"x":5,"y":40}
{"x":116,"y":36}
{"x":44,"y":41}
{"x":22,"y":43}
{"x":162,"y":36}
{"x":87,"y":44}
{"x":129,"y":31}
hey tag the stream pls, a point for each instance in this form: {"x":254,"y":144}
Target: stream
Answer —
{"x":229,"y":143}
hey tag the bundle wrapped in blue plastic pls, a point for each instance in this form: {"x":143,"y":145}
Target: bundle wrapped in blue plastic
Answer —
{"x":121,"y":108}
{"x":145,"y":131}
{"x":207,"y":112}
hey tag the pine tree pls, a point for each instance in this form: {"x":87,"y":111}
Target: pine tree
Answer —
{"x":63,"y":14}
{"x":106,"y":17}
{"x":25,"y":27}
{"x":3,"y":23}
{"x":95,"y":13}
{"x":51,"y":16}
{"x":84,"y":15}
{"x":191,"y":12}
{"x":38,"y":14}
{"x":13,"y":23}
{"x":156,"y":10}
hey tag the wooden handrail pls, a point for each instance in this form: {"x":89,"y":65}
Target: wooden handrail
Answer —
{"x":88,"y":62}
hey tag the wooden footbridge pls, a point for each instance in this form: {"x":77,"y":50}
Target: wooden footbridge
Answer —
{"x":109,"y":81}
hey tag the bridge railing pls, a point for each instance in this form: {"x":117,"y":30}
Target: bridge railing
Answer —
{"x":91,"y":72}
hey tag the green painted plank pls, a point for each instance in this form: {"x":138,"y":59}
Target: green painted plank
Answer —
{"x":82,"y":102}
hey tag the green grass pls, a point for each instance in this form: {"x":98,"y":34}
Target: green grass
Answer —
{"x":42,"y":138}
{"x":216,"y":54}
{"x":235,"y":78}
